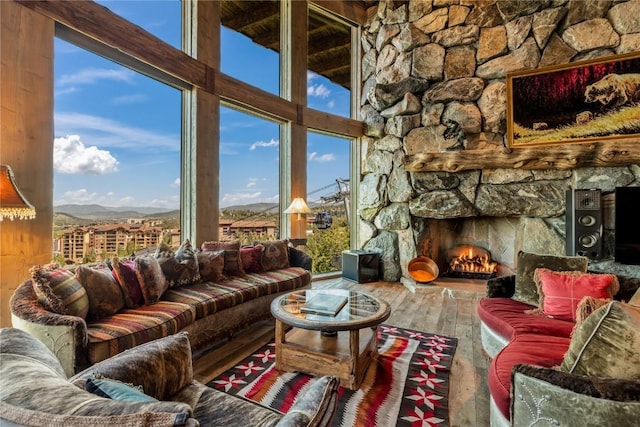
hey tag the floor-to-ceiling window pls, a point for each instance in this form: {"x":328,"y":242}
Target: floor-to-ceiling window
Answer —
{"x":116,"y":151}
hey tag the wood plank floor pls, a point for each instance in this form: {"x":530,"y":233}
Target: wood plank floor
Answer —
{"x":446,"y":306}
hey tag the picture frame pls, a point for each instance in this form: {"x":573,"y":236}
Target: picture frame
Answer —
{"x":585,"y":101}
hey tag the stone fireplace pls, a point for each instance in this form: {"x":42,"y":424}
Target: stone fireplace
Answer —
{"x":434,"y":76}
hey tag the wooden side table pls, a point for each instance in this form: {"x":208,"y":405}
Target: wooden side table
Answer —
{"x":343,"y":345}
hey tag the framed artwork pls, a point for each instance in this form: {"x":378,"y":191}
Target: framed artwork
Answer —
{"x":578,"y":102}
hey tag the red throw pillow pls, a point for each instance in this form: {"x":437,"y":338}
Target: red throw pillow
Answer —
{"x":250,"y":257}
{"x":561,"y":291}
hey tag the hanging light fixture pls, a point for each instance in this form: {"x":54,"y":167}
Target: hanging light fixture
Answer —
{"x":298,"y":206}
{"x":12,"y":203}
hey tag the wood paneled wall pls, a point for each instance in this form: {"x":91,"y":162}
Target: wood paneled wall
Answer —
{"x":26,"y":141}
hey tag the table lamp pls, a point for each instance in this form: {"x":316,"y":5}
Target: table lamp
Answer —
{"x":12,"y":203}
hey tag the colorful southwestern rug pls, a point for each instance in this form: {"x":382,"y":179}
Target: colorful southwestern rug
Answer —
{"x":408,"y":384}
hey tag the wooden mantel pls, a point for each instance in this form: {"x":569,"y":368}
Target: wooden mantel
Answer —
{"x":568,"y":156}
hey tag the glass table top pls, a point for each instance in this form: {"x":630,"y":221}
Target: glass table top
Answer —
{"x":360,"y":311}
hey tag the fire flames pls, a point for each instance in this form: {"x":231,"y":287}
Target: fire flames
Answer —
{"x":470,"y":262}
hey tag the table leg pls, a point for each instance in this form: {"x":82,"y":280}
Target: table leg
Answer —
{"x":280,"y":334}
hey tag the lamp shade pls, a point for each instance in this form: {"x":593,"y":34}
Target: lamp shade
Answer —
{"x":298,"y":206}
{"x":12,"y":203}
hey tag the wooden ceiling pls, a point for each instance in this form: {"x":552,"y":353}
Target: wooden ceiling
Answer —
{"x":329,"y":48}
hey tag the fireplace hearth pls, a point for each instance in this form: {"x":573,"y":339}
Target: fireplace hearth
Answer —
{"x":470,"y":262}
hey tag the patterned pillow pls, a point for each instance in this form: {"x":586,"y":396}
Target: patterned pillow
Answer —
{"x":124,"y":270}
{"x":275,"y":255}
{"x":152,"y":280}
{"x":103,"y":290}
{"x":526,"y":290}
{"x":251,"y":256}
{"x":210,"y":265}
{"x":561,"y":291}
{"x":232,"y":261}
{"x":179,"y":268}
{"x":59,"y":291}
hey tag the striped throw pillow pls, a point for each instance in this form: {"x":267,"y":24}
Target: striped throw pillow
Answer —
{"x":59,"y":290}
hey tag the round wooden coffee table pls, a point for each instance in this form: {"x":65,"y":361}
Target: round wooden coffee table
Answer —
{"x":342,"y":345}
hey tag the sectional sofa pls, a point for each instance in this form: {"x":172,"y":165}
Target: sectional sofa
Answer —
{"x":150,"y":385}
{"x":89,"y":313}
{"x":559,"y":357}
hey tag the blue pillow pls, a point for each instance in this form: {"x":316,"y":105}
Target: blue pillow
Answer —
{"x":116,"y":390}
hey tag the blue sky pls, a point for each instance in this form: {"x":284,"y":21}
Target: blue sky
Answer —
{"x":117,"y":132}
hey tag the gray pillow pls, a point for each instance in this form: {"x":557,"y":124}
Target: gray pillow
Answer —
{"x":526,"y":290}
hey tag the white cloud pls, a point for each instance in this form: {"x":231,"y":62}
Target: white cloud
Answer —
{"x":129,"y":99}
{"x":176,"y":183}
{"x":71,"y":156}
{"x":106,"y":132}
{"x":320,"y":91}
{"x":331,"y":104}
{"x":272,"y":143}
{"x":314,"y":157}
{"x":243,"y":198}
{"x":92,"y":75}
{"x":311,"y":75}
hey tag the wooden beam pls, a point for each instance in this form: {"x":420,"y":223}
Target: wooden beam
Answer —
{"x":319,"y":120}
{"x":254,"y":99}
{"x":257,"y":13}
{"x":87,"y":17}
{"x":570,"y":156}
{"x":353,"y":11}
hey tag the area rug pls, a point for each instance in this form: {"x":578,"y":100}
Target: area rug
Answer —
{"x":408,"y":384}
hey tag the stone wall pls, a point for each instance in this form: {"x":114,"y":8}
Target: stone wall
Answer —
{"x":434,"y":80}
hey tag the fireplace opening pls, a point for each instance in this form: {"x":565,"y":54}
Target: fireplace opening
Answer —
{"x":470,"y":262}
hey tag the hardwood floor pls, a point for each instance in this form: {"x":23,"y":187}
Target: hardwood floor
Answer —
{"x":446,"y":306}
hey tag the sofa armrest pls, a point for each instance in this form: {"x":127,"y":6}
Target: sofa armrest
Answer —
{"x":501,"y":286}
{"x":544,"y":394}
{"x":298,"y":258}
{"x":316,"y":408}
{"x":65,"y":335}
{"x":162,"y":367}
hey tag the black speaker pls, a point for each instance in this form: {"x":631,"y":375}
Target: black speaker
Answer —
{"x":584,"y":223}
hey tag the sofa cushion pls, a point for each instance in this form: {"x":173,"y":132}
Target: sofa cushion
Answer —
{"x":275,"y":255}
{"x":525,"y":287}
{"x":59,"y":290}
{"x":124,"y":270}
{"x":152,"y":281}
{"x":210,"y":265}
{"x":30,"y":384}
{"x":533,"y":349}
{"x":251,"y":257}
{"x":509,"y":318}
{"x":180,"y":267}
{"x":561,"y":291}
{"x":11,"y":415}
{"x":103,"y":290}
{"x":606,"y":344}
{"x":232,"y":261}
{"x":208,"y":298}
{"x":161,"y":367}
{"x":131,"y":327}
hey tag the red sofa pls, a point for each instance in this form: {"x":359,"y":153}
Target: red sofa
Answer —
{"x":513,"y":339}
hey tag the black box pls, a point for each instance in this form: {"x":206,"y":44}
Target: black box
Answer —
{"x":361,"y":265}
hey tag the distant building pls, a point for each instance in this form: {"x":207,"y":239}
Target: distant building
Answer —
{"x":106,"y":240}
{"x":260,"y":229}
